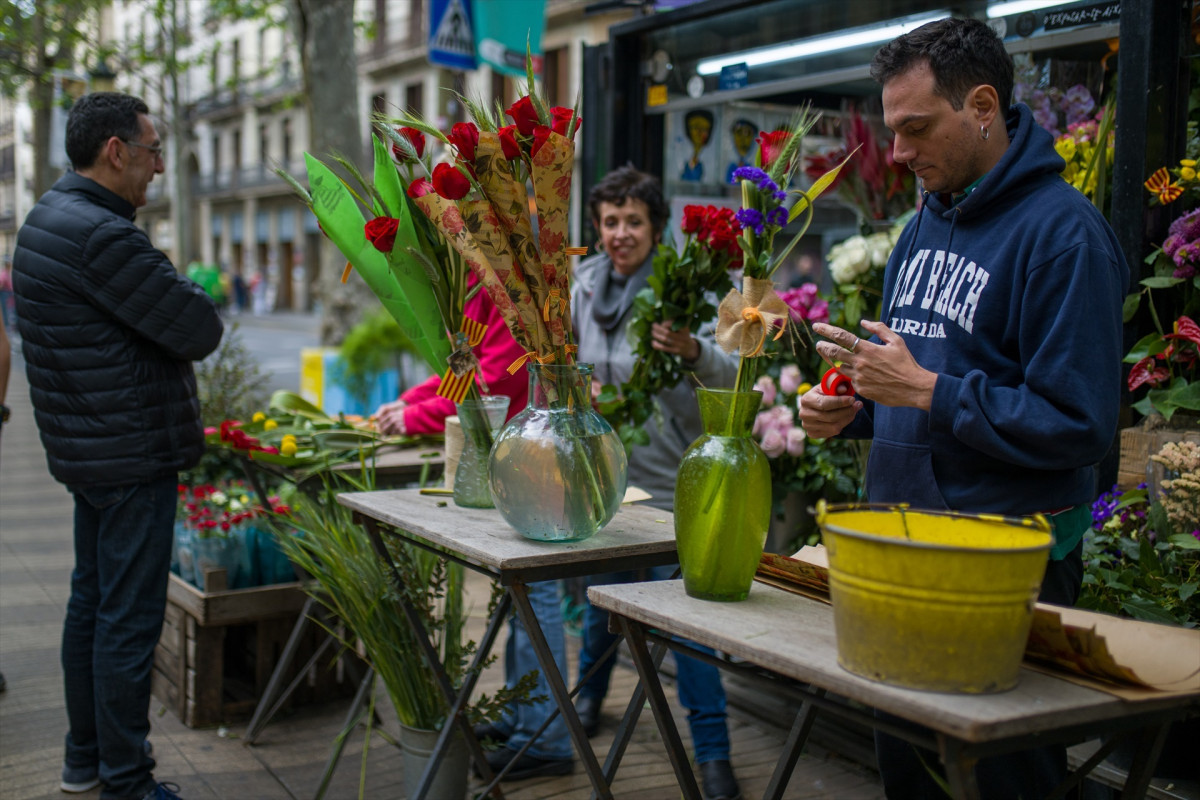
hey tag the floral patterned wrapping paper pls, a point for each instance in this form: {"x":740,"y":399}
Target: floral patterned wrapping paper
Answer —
{"x":525,"y":277}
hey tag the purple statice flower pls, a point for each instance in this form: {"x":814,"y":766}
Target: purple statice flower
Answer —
{"x":777,"y":216}
{"x":751,"y":218}
{"x":753,"y":174}
{"x":1196,"y":533}
{"x":1184,"y":272}
{"x":1105,"y":506}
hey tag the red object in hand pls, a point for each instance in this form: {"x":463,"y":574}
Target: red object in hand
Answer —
{"x":835,"y":383}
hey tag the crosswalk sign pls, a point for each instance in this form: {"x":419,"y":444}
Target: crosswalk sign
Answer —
{"x":451,"y":35}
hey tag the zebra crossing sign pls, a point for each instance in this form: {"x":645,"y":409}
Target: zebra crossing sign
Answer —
{"x":451,"y":35}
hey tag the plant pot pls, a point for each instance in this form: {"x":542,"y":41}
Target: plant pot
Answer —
{"x":450,"y":781}
{"x":480,"y":420}
{"x":723,"y":499}
{"x":558,"y":469}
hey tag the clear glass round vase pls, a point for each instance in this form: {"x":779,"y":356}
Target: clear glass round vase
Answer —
{"x":480,"y":419}
{"x":558,"y":469}
{"x":723,"y":499}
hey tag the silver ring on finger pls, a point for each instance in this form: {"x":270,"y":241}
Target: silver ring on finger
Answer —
{"x":854,"y":347}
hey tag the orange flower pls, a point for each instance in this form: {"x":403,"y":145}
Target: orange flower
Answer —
{"x":1160,"y":184}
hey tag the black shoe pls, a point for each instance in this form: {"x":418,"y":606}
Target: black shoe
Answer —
{"x":527,"y":766}
{"x":717,"y":781}
{"x":488,"y":733}
{"x":588,"y":709}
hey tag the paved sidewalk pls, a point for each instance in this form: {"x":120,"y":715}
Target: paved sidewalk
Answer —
{"x":212,"y":764}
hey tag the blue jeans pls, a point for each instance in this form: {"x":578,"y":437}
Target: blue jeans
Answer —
{"x":699,"y":684}
{"x":522,"y":720}
{"x":123,"y":540}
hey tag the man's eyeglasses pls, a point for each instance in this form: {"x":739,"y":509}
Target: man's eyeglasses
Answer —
{"x":155,"y":149}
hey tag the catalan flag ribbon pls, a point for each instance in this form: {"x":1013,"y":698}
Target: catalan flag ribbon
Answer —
{"x":463,"y":364}
{"x":1160,"y":184}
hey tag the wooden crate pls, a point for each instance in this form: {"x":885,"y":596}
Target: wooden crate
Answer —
{"x":219,"y":648}
{"x":1142,"y":441}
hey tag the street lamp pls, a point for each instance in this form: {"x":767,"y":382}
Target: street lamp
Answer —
{"x":103,"y":79}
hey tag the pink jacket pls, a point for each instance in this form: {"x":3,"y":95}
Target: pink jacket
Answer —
{"x":426,"y":412}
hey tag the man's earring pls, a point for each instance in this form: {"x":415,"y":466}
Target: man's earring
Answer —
{"x":984,"y":133}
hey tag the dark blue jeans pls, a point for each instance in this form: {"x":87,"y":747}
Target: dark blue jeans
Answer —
{"x":699,"y":684}
{"x":123,"y":539}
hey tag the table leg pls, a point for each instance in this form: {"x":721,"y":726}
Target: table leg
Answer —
{"x":796,"y":740}
{"x":633,"y":710}
{"x":339,"y":743}
{"x":648,"y":673}
{"x":960,"y":769}
{"x":261,"y":715}
{"x":433,"y":658}
{"x":558,"y":688}
{"x":1149,"y":747}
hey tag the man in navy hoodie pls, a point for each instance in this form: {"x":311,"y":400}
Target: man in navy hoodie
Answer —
{"x":992,"y":381}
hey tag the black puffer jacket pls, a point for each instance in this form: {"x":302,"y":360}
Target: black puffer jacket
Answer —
{"x":109,"y":330}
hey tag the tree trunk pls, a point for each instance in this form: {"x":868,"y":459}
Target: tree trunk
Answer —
{"x":178,"y":146}
{"x":325,"y":32}
{"x":42,"y":89}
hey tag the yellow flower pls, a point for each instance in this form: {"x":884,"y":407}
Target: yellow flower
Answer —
{"x":1065,"y":146}
{"x":270,"y":425}
{"x":288,"y":446}
{"x":1187,"y":173}
{"x":1188,"y":162}
{"x":802,"y":388}
{"x":258,"y":416}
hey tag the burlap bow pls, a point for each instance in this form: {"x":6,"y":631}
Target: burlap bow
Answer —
{"x":745,"y":318}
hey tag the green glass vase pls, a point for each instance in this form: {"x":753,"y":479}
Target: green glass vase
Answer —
{"x":723,"y":499}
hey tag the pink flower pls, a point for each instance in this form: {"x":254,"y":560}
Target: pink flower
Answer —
{"x":803,"y":304}
{"x":774,"y":443}
{"x":795,"y":441}
{"x":766,"y":385}
{"x":790,"y":379}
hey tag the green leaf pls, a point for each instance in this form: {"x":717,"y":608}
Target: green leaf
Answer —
{"x":1149,"y":345}
{"x":1148,"y":611}
{"x":1161,"y":282}
{"x":1185,"y":541}
{"x":387,"y":179}
{"x":1130,"y":306}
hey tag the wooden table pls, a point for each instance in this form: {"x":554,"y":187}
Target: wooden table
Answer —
{"x":401,"y":466}
{"x":637,"y":537}
{"x":788,"y":641}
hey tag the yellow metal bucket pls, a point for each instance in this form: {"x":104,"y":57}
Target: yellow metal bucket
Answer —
{"x":933,"y":600}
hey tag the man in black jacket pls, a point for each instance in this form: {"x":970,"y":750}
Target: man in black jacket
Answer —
{"x":109,"y":330}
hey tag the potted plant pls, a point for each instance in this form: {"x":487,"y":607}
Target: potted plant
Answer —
{"x":1142,"y":560}
{"x":359,"y":588}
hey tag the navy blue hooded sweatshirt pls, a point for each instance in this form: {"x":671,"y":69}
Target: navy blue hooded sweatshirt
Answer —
{"x":1013,"y":297}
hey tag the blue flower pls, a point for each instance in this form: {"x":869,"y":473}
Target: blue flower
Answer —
{"x":749,"y":174}
{"x":751,"y":218}
{"x":777,"y":216}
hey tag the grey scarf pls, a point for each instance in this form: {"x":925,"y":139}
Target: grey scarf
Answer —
{"x":614,"y":292}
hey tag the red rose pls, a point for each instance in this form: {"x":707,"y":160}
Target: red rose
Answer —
{"x":415,"y":137}
{"x":381,"y":232}
{"x":693,"y":219}
{"x":450,"y":183}
{"x":419,"y":188}
{"x":540,"y":134}
{"x":465,"y":137}
{"x":524,"y":115}
{"x":508,"y":142}
{"x":771,"y":144}
{"x":562,"y":118}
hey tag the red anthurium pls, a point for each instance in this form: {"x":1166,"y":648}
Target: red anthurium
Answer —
{"x":420,"y":187}
{"x":540,"y":134}
{"x":381,"y":232}
{"x":1147,"y":371}
{"x":415,"y":137}
{"x":524,"y":115}
{"x":465,"y":138}
{"x":508,"y":142}
{"x":562,"y":118}
{"x":450,"y":183}
{"x":771,"y":144}
{"x":1185,"y":329}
